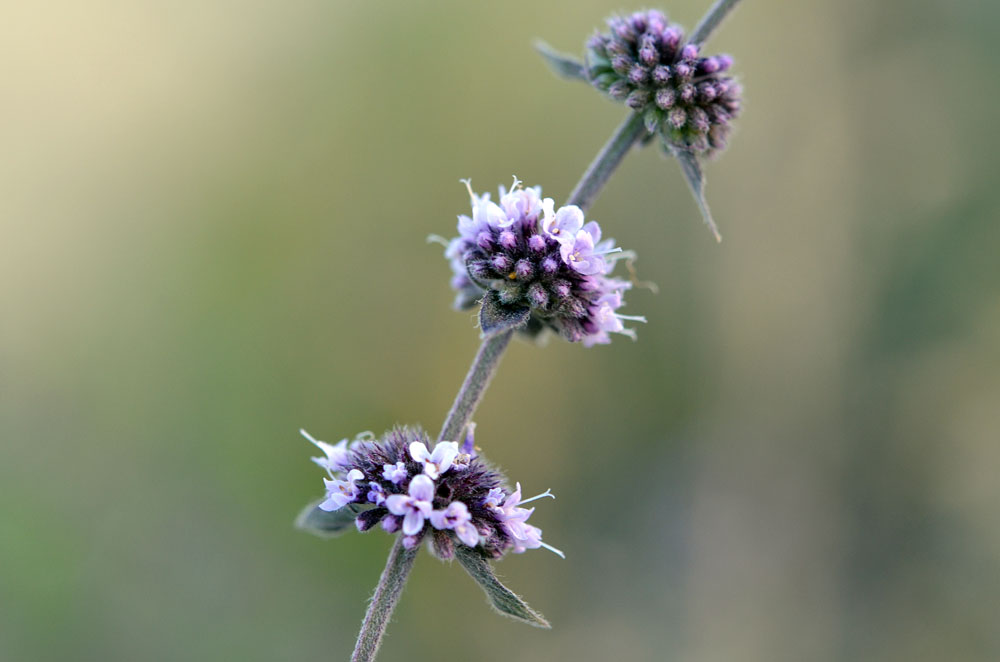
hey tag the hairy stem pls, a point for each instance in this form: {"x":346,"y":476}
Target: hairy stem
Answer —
{"x":483,"y":368}
{"x":387,"y":593}
{"x":607,"y":161}
{"x":711,"y":20}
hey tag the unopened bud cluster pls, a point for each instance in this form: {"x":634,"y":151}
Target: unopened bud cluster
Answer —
{"x":644,"y":62}
{"x":447,"y":495}
{"x":549,"y":261}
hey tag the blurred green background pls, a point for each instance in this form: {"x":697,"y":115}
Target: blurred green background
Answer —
{"x":213,"y":226}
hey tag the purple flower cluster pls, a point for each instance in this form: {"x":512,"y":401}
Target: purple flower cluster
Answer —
{"x":643,"y":60}
{"x":448,"y":494}
{"x":528,"y":255}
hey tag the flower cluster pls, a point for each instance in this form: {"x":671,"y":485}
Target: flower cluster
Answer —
{"x":448,"y":494}
{"x":643,"y":60}
{"x":524,"y":254}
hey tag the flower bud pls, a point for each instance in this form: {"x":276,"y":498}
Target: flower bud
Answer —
{"x":687,"y":92}
{"x":442,"y":546}
{"x":501,"y":262}
{"x":538,"y":296}
{"x":648,"y":55}
{"x":661,"y":76}
{"x":665,"y":97}
{"x":619,"y":90}
{"x":637,"y":99}
{"x":480,"y":269}
{"x":536,"y":243}
{"x":561,"y":288}
{"x":370,"y":518}
{"x":638,"y":75}
{"x":622,"y":64}
{"x":484,"y":240}
{"x":677,"y":117}
{"x":508,"y":239}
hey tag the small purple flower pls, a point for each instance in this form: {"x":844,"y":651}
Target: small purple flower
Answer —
{"x":494,"y":498}
{"x":394,"y":473}
{"x":581,"y":256}
{"x":509,"y":511}
{"x":514,"y":519}
{"x":457,"y":518}
{"x":414,"y":508}
{"x":530,"y":537}
{"x":606,"y":320}
{"x":564,"y":224}
{"x":339,"y":493}
{"x":439,"y":461}
{"x":376,"y":493}
{"x":337,"y":456}
{"x":524,"y":203}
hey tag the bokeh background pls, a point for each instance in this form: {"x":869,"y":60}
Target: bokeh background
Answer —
{"x":213,"y":222}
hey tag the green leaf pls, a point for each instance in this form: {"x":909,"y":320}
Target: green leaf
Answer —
{"x":327,"y":524}
{"x":696,"y":182}
{"x":495,"y":317}
{"x":564,"y":66}
{"x":500,"y":597}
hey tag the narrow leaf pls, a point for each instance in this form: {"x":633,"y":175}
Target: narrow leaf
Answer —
{"x":500,"y":597}
{"x":562,"y":65}
{"x":495,"y":317}
{"x":327,"y":524}
{"x":696,"y":181}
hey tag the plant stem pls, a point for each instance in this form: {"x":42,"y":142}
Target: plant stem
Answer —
{"x":606,"y":162}
{"x":484,"y":366}
{"x":480,"y":373}
{"x":711,"y":20}
{"x":387,"y":593}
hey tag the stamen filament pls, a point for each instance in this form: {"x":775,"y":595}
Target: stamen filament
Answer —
{"x":552,"y":549}
{"x":468,"y":185}
{"x":546,"y":493}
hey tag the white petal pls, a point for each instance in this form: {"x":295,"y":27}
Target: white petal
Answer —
{"x":422,"y":488}
{"x":439,"y":519}
{"x":467,"y":534}
{"x":412,"y":523}
{"x":444,"y":454}
{"x":418,"y":451}
{"x":398,"y":504}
